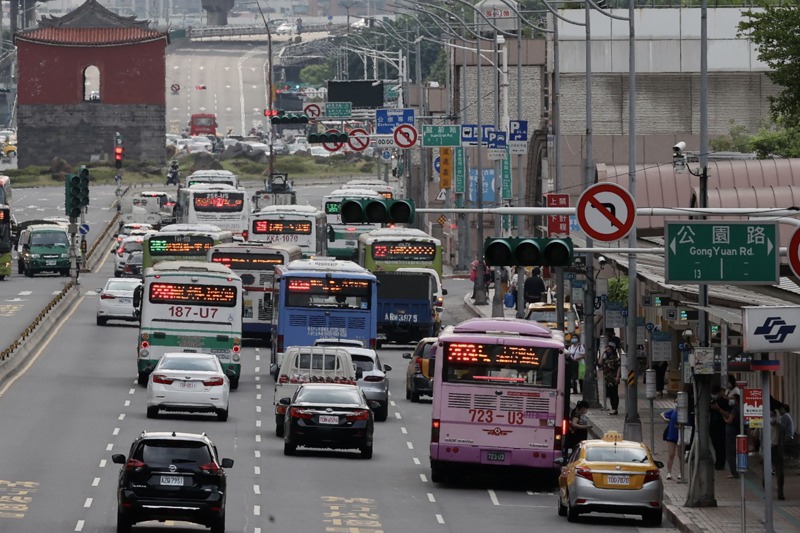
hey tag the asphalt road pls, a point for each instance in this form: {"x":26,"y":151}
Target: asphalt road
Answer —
{"x":78,"y":403}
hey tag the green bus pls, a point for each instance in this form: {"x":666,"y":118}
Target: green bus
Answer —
{"x":182,"y":242}
{"x":388,"y":249}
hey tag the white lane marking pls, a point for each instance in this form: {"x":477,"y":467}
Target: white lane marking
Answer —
{"x":95,"y":482}
{"x":258,"y":387}
{"x":87,"y":503}
{"x":258,"y":396}
{"x":410,"y":445}
{"x":258,"y":438}
{"x":257,"y":470}
{"x":440,"y":519}
{"x":258,"y":378}
{"x":258,"y":350}
{"x":258,"y":408}
{"x":258,"y":357}
{"x":103,"y":463}
{"x":423,"y":478}
{"x":493,"y":497}
{"x":79,"y":525}
{"x":404,"y":431}
{"x":257,"y":369}
{"x":431,"y":498}
{"x":25,"y":293}
{"x":121,"y":417}
{"x":397,"y":415}
{"x":257,"y":510}
{"x":258,"y":423}
{"x":258,"y":454}
{"x":391,"y":402}
{"x":131,"y":391}
{"x":109,"y":446}
{"x":256,"y":489}
{"x":127,"y":403}
{"x":417,"y":461}
{"x":115,"y":432}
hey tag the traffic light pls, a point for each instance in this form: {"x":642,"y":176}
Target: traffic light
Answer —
{"x":377,"y":211}
{"x":528,"y":251}
{"x":317,"y":138}
{"x":289,"y":118}
{"x":119,"y":153}
{"x":270,"y":112}
{"x":72,"y":200}
{"x":83,"y":180}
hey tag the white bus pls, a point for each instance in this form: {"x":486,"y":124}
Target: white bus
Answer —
{"x":212,"y":177}
{"x":303,"y":225}
{"x":342,"y":239}
{"x":188,"y":306}
{"x":381,"y":187}
{"x":223,"y":206}
{"x":255,"y":263}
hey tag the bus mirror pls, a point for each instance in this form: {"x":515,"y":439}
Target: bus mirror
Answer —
{"x":444,"y":292}
{"x":137,"y":296}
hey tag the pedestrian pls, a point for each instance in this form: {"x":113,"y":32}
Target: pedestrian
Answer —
{"x":612,"y":368}
{"x":661,"y":373}
{"x":786,"y":421}
{"x":731,"y":417}
{"x":670,"y":436}
{"x":579,"y":425}
{"x":478,"y":272}
{"x":732,"y":388}
{"x":717,"y":426}
{"x":534,"y":287}
{"x":577,"y":355}
{"x":514,"y":280}
{"x":778,"y":445}
{"x":504,"y":279}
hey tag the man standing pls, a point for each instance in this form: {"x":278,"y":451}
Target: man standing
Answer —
{"x":612,"y":368}
{"x":534,"y":287}
{"x":576,"y":354}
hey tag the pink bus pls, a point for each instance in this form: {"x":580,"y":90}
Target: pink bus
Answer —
{"x":499,"y":396}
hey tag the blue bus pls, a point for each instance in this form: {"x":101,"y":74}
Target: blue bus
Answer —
{"x":322,"y":298}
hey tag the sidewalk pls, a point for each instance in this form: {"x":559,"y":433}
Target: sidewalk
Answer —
{"x":726,"y":517}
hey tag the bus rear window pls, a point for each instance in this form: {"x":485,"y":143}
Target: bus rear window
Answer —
{"x":468,"y":362}
{"x":186,"y":294}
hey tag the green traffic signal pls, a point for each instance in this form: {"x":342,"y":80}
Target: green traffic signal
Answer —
{"x":83,"y":180}
{"x":377,"y":211}
{"x":72,"y":200}
{"x":528,"y":251}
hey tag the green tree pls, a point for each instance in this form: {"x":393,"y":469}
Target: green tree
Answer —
{"x":316,"y":75}
{"x":618,"y":290}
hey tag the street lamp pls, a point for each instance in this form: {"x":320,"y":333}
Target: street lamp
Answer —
{"x":347,"y":4}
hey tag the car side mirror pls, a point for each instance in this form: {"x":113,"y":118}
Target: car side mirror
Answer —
{"x":137,"y":296}
{"x":285,"y":401}
{"x":559,"y":461}
{"x":118,"y":458}
{"x":387,"y":368}
{"x":359,"y":373}
{"x":374,"y":405}
{"x":406,"y":355}
{"x":227,"y":463}
{"x":659,"y":464}
{"x":444,"y":292}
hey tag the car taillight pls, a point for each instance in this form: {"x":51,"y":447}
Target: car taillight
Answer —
{"x":244,"y":234}
{"x":435,"y":425}
{"x":119,"y":252}
{"x":357,"y":415}
{"x":128,"y":269}
{"x":585,"y":473}
{"x":373,"y":343}
{"x":214,"y":382}
{"x":210,"y":468}
{"x":418,"y":364}
{"x":294,"y":412}
{"x":279,"y":347}
{"x":104,"y":296}
{"x":283,"y":378}
{"x":161,"y":378}
{"x":652,"y":475}
{"x":374,"y":378}
{"x":134,"y":464}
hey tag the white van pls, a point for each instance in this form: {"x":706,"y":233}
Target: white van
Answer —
{"x":310,"y":364}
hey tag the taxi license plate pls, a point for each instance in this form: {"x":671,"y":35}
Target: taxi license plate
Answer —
{"x":496,"y":456}
{"x":124,"y":300}
{"x":50,"y":263}
{"x":328,"y":419}
{"x":187,"y":384}
{"x":617,"y":479}
{"x":172,"y":481}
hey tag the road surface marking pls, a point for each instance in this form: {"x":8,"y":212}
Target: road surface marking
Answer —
{"x":423,"y":478}
{"x":256,"y":489}
{"x":121,"y":417}
{"x":493,"y":497}
{"x":127,"y":403}
{"x":95,"y":482}
{"x":87,"y":503}
{"x":109,"y":446}
{"x":440,"y":519}
{"x":115,"y":432}
{"x":404,"y":431}
{"x":417,"y":461}
{"x":79,"y":525}
{"x":103,"y":463}
{"x":431,"y":498}
{"x":410,"y":445}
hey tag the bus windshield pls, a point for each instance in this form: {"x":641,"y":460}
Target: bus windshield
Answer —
{"x":500,"y":363}
{"x":338,"y":293}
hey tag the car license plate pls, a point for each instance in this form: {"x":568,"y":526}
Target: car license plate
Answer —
{"x":50,"y":263}
{"x":496,"y":456}
{"x":617,"y":479}
{"x":187,"y":384}
{"x":124,"y":300}
{"x":172,"y":481}
{"x":328,"y":419}
{"x":352,"y":243}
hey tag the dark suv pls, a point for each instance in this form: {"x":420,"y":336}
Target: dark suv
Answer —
{"x":419,"y":375}
{"x":172,"y":476}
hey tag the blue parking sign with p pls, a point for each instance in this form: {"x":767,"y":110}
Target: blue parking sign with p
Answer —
{"x":518,"y":130}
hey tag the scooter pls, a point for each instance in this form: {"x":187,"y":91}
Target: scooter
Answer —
{"x":173,"y":177}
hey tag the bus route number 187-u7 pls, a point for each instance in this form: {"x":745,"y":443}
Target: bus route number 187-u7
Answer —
{"x":180,"y":311}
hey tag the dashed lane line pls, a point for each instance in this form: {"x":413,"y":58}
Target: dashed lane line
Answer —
{"x":79,"y":525}
{"x":417,"y":461}
{"x":440,"y":519}
{"x":88,"y":503}
{"x":410,"y":445}
{"x":103,"y":463}
{"x":423,"y":478}
{"x":431,"y":498}
{"x":404,"y":431}
{"x":96,"y":482}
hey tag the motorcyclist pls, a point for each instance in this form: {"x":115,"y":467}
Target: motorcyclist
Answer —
{"x":174,"y":174}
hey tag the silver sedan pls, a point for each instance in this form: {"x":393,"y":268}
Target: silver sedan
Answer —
{"x":188,"y":382}
{"x":373,"y":381}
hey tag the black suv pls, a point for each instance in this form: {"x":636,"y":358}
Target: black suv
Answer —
{"x":172,"y":476}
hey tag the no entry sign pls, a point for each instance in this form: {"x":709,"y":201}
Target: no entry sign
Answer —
{"x":606,"y":212}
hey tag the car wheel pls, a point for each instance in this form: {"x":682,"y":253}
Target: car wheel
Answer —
{"x":218,"y":524}
{"x":562,"y":509}
{"x":382,"y":413}
{"x":20,"y":267}
{"x":414,"y":396}
{"x":142,"y":379}
{"x":378,"y":345}
{"x":118,"y":273}
{"x":653,"y":517}
{"x":152,"y":412}
{"x":234,"y":383}
{"x":366,"y":451}
{"x":29,"y":272}
{"x":123,"y":523}
{"x":101,"y":321}
{"x":289,"y":448}
{"x":408,"y":393}
{"x":572,"y":513}
{"x":279,"y":430}
{"x":222,"y":415}
{"x":65,"y":273}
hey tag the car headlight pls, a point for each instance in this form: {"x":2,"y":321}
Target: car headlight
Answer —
{"x":64,"y":255}
{"x":35,"y":256}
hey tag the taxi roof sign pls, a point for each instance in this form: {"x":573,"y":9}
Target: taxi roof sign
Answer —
{"x":613,"y":436}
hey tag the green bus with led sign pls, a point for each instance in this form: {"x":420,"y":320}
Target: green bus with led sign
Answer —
{"x":182,"y":242}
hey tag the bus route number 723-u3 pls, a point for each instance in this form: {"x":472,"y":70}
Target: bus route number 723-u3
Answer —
{"x":488,"y":416}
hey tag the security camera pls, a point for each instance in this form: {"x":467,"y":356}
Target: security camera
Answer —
{"x":680,"y":147}
{"x":602,"y":260}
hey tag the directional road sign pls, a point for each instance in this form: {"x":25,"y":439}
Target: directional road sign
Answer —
{"x":338,"y":109}
{"x":606,"y":212}
{"x":721,"y":252}
{"x":439,"y":136}
{"x":312,"y":110}
{"x":358,"y":139}
{"x":437,"y":164}
{"x":496,"y":143}
{"x":386,"y":120}
{"x":518,"y":137}
{"x":469,"y":134}
{"x":405,"y":136}
{"x":83,"y":229}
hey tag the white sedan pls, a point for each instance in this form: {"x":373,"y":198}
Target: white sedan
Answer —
{"x":188,"y":382}
{"x":115,"y":301}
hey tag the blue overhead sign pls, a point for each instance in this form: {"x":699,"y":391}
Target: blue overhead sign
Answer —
{"x":518,"y":130}
{"x":386,"y":120}
{"x":496,"y":139}
{"x":469,"y":134}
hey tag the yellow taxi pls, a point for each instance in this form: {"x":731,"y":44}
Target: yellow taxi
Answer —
{"x":545,"y":314}
{"x":611,"y":475}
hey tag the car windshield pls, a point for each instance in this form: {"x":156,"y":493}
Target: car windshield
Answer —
{"x":133,"y":246}
{"x":328,"y":395}
{"x":168,"y":452}
{"x":49,"y":238}
{"x":364,"y":362}
{"x":616,"y":454}
{"x":185,"y":363}
{"x":119,"y":285}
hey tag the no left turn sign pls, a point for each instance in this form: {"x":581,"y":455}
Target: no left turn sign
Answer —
{"x":405,"y":136}
{"x":358,"y":139}
{"x":606,"y":212}
{"x":312,"y":110}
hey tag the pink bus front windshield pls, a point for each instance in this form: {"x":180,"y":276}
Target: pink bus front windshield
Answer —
{"x":497,"y":400}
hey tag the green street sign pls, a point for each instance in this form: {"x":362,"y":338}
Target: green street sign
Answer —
{"x":338,"y":109}
{"x":441,"y":136}
{"x":458,"y":171}
{"x":505,"y":173}
{"x":720,"y":252}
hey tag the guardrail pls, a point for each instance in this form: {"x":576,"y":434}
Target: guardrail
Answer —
{"x":237,"y":31}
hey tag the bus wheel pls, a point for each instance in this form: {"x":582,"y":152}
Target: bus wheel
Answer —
{"x":142,"y":379}
{"x":234,"y":383}
{"x":437,"y":473}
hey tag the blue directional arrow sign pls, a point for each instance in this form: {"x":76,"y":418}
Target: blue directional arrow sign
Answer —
{"x":83,"y":229}
{"x":386,"y":120}
{"x":518,"y":130}
{"x":469,"y":134}
{"x":437,"y":164}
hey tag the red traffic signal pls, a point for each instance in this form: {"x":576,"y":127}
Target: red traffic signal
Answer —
{"x":119,"y":152}
{"x":271,"y":112}
{"x":200,"y":87}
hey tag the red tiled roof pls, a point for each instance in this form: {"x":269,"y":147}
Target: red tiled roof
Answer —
{"x":90,"y":36}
